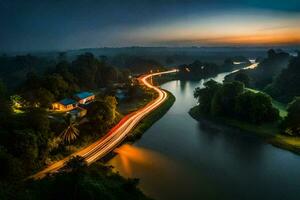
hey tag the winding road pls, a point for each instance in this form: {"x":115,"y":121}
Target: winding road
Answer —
{"x":117,"y":134}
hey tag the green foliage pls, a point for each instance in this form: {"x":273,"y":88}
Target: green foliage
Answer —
{"x":205,"y":95}
{"x":102,"y":113}
{"x":149,"y":120}
{"x":255,"y":108}
{"x":287,"y":85}
{"x":28,"y":140}
{"x":86,"y":72}
{"x":232,"y":100}
{"x":226,"y":97}
{"x":243,"y":77}
{"x":291,"y":124}
{"x":85,"y":68}
{"x":56,"y":84}
{"x":25,"y":147}
{"x":71,"y":131}
{"x":75,"y":163}
{"x":94,"y":182}
{"x":198,"y":70}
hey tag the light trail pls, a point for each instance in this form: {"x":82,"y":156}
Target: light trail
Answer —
{"x":117,"y":134}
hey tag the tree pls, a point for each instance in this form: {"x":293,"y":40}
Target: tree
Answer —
{"x":96,"y":181}
{"x":102,"y":113}
{"x":255,"y":108}
{"x":242,"y":77}
{"x":291,"y":124}
{"x":271,"y":53}
{"x":25,"y":147}
{"x":75,"y":163}
{"x":85,"y":68}
{"x":56,"y":84}
{"x":205,"y":95}
{"x":225,"y":98}
{"x":44,"y":97}
{"x":71,"y":132}
{"x":287,"y":85}
{"x":112,"y":104}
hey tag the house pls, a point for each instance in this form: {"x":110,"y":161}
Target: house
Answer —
{"x":84,"y":97}
{"x":64,"y":105}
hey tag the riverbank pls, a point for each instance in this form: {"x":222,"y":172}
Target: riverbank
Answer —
{"x":269,"y":132}
{"x":145,"y":123}
{"x":149,"y":120}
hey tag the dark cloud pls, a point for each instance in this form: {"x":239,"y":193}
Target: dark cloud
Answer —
{"x":58,"y":24}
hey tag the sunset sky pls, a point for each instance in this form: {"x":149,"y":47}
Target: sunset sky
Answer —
{"x":53,"y":24}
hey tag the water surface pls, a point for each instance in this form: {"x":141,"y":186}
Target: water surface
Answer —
{"x":180,"y":158}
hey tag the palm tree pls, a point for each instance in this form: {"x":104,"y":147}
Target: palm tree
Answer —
{"x":71,"y":132}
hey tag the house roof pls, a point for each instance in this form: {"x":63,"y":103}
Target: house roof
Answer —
{"x":67,"y":101}
{"x":83,"y":95}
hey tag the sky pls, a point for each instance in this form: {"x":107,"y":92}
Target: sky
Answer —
{"x":32,"y":25}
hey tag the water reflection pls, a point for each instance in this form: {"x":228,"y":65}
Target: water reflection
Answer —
{"x":169,"y":178}
{"x":129,"y":156}
{"x":244,"y":146}
{"x":180,"y":158}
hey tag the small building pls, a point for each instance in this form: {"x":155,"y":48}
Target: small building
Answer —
{"x":64,"y":105}
{"x":84,"y":97}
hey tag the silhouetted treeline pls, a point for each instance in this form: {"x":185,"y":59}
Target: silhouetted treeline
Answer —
{"x":136,"y":64}
{"x":286,"y":85}
{"x":199,"y":70}
{"x":232,"y":100}
{"x":13,"y":70}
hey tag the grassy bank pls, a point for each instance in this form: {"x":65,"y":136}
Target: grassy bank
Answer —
{"x":280,"y":106}
{"x":269,"y":132}
{"x":145,"y":123}
{"x":150,"y":119}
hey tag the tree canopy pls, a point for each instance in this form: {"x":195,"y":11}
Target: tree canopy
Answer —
{"x":291,"y":124}
{"x":232,"y":100}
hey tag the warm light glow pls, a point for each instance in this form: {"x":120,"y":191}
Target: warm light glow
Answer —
{"x":118,"y":133}
{"x":258,"y":27}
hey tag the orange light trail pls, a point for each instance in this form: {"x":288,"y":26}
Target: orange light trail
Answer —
{"x":117,"y":134}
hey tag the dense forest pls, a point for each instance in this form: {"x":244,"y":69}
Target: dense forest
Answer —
{"x":232,"y":100}
{"x":287,"y":84}
{"x":31,"y":136}
{"x":277,"y":76}
{"x":76,"y":180}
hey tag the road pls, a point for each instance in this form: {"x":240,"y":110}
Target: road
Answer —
{"x":117,"y":134}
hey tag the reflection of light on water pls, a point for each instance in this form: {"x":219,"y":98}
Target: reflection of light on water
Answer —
{"x":129,"y":156}
{"x":159,"y":175}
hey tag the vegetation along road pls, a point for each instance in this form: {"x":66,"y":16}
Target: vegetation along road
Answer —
{"x":117,"y":134}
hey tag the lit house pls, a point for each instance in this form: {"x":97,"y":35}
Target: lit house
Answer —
{"x":64,"y":105}
{"x":84,"y":97}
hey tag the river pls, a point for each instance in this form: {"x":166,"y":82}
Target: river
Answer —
{"x":181,"y":158}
